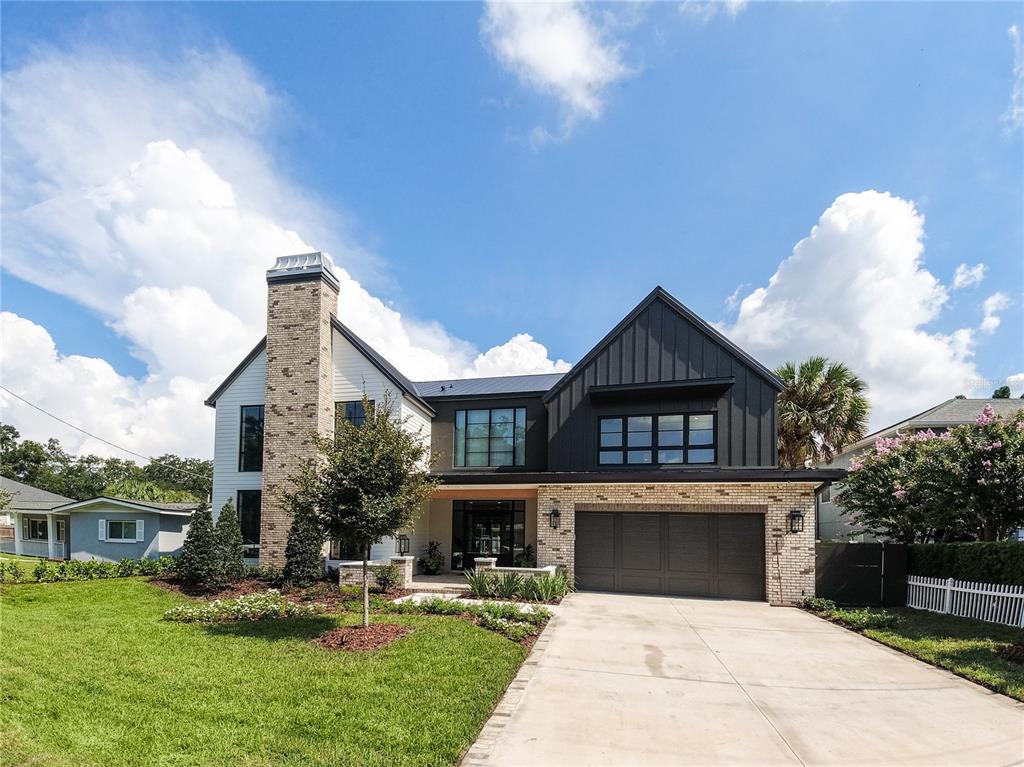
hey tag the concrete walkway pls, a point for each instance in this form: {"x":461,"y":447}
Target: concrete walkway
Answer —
{"x":631,"y":680}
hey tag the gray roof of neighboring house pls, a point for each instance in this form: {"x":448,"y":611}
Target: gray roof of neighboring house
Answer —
{"x":160,"y":508}
{"x":30,"y":498}
{"x":468,"y":387}
{"x":952,"y":412}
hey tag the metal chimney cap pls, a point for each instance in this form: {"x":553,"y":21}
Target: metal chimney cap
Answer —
{"x":303,"y":266}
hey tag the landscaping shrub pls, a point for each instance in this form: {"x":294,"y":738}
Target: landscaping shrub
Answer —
{"x":201,"y":565}
{"x":858,"y":619}
{"x":1000,"y":562}
{"x":510,"y":620}
{"x":548,"y":587}
{"x":126,"y":568}
{"x":387,"y":577}
{"x":527,"y":557}
{"x":251,"y":607}
{"x":303,"y":555}
{"x":508,"y":585}
{"x":264,"y":573}
{"x":229,"y":540}
{"x":480,"y":583}
{"x":14,"y":572}
{"x":433,"y":560}
{"x":517,"y":631}
{"x":40,"y":571}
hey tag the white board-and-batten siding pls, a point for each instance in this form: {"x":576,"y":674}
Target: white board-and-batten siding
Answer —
{"x":354,"y":375}
{"x":249,"y":388}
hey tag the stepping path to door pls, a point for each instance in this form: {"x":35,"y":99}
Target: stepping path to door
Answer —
{"x":623,"y":680}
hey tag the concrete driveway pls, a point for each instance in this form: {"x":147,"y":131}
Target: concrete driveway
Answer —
{"x":631,"y":680}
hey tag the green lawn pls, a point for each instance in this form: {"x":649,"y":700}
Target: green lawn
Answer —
{"x":90,"y":675}
{"x":21,"y":560}
{"x":962,"y":645}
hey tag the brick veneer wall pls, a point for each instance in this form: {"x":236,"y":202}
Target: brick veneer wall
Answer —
{"x":299,"y":397}
{"x":788,"y":556}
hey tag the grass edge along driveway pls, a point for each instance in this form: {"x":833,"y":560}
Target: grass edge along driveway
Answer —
{"x":964,"y":646}
{"x":90,"y":675}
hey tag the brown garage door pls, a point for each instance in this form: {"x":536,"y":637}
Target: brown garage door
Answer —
{"x":703,"y":555}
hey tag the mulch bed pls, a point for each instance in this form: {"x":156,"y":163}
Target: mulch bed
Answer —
{"x":1014,"y":653}
{"x":359,"y":638}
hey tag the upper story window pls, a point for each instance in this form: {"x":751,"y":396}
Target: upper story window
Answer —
{"x":494,"y":437}
{"x":657,"y":439}
{"x":250,"y":452}
{"x":353,"y":412}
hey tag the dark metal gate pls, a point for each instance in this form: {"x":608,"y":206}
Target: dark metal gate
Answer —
{"x":861,"y":573}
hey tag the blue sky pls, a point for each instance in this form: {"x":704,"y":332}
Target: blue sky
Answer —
{"x":504,"y":175}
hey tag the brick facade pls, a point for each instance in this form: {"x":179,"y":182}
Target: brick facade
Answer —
{"x":789,"y":557}
{"x":299,"y":395}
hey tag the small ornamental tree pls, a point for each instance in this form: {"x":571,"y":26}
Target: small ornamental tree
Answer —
{"x":201,"y":565}
{"x":984,"y":473}
{"x":303,"y":553}
{"x":368,"y":482}
{"x":891,"y":489}
{"x":229,"y":539}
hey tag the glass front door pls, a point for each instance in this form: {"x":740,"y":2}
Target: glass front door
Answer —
{"x":487,"y":529}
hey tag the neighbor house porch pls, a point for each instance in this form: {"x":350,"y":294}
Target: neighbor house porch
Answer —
{"x":38,"y":535}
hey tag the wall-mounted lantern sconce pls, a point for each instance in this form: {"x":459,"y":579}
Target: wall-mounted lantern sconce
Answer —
{"x":553,"y":518}
{"x":402,"y":544}
{"x":796,"y":521}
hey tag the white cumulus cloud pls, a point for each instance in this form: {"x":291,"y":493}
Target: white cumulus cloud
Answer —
{"x":856,"y":289}
{"x":1016,"y":383}
{"x":965,"y":276}
{"x":143,"y":189}
{"x":705,"y":10}
{"x":991,"y":308}
{"x":559,"y":49}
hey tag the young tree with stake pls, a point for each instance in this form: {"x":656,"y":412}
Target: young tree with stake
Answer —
{"x":367,"y":483}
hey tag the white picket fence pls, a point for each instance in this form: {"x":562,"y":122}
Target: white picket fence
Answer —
{"x":991,"y":602}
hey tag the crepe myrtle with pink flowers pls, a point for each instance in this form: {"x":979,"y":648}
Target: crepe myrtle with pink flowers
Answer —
{"x":963,"y":484}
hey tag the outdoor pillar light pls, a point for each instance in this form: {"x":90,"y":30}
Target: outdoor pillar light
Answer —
{"x":402,"y":544}
{"x":796,"y":521}
{"x":553,"y":517}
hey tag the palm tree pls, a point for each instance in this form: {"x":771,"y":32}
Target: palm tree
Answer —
{"x":822,"y":410}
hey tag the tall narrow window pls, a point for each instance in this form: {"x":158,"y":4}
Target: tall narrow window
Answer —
{"x":250,"y":452}
{"x":354,"y":412}
{"x":700,"y":441}
{"x":249,"y":502}
{"x":495,"y":437}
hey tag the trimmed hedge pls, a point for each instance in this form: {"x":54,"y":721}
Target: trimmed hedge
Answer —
{"x":1001,"y":562}
{"x":44,"y":571}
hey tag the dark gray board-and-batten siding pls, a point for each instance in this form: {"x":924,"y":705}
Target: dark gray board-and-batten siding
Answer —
{"x":659,"y":345}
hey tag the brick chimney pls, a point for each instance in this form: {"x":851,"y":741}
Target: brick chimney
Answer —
{"x":302,"y":296}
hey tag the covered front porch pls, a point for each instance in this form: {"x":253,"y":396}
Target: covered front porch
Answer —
{"x":471,"y":522}
{"x":38,"y":535}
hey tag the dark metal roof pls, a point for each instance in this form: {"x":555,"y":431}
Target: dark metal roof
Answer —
{"x":30,"y":498}
{"x":659,"y":293}
{"x":468,"y":387}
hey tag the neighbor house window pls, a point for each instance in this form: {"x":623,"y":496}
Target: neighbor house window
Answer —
{"x":33,"y":529}
{"x":249,"y":520}
{"x":250,"y":452}
{"x":639,"y":440}
{"x":495,"y":437}
{"x":353,"y":412}
{"x":121,"y":530}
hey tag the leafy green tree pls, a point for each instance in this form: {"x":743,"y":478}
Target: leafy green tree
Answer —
{"x":1003,"y":392}
{"x":142,"y":490}
{"x":368,"y":482}
{"x":229,"y":539}
{"x":193,"y":475}
{"x":201,"y":564}
{"x":303,"y":554}
{"x":822,"y":410}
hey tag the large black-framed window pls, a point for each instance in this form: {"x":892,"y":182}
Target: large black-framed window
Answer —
{"x":645,"y":440}
{"x":354,"y":412}
{"x":487,"y":529}
{"x":250,"y":447}
{"x":249,"y":504}
{"x":491,"y":437}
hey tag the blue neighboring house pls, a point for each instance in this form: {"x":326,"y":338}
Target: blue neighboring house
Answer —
{"x":107,"y":529}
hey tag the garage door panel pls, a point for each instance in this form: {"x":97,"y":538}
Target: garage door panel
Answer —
{"x":641,"y":542}
{"x":689,"y":544}
{"x":705,"y":555}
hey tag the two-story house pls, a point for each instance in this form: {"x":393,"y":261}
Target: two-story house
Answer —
{"x":649,"y":467}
